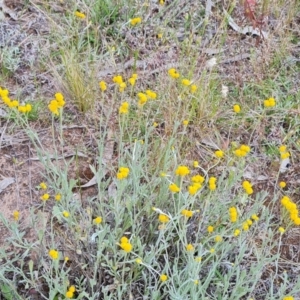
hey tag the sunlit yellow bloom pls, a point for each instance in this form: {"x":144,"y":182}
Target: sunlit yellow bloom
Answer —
{"x":218,"y":238}
{"x":97,"y":220}
{"x":173,"y":73}
{"x":255,"y":217}
{"x":139,"y":261}
{"x":236,"y":108}
{"x":212,"y":250}
{"x":43,"y":185}
{"x":57,"y":197}
{"x":163,"y":277}
{"x":69,"y":294}
{"x":185,"y":82}
{"x":282,"y":184}
{"x":142,"y":98}
{"x":53,"y":254}
{"x":79,"y":15}
{"x":219,"y":153}
{"x":182,"y":171}
{"x":210,"y":229}
{"x":132,"y":81}
{"x":125,"y":244}
{"x":53,"y":107}
{"x":118,"y":79}
{"x":270,"y":102}
{"x":151,"y":94}
{"x":281,"y":229}
{"x":122,"y":87}
{"x":135,"y":21}
{"x":45,"y":197}
{"x":185,"y":122}
{"x":123,"y":173}
{"x":193,"y":88}
{"x":195,"y":164}
{"x":102,"y":85}
{"x":66,"y":214}
{"x":198,"y":179}
{"x":189,"y":247}
{"x":124,"y":108}
{"x":174,"y":188}
{"x":163,"y":218}
{"x":16,"y":215}
{"x":187,"y":213}
{"x":236,"y":232}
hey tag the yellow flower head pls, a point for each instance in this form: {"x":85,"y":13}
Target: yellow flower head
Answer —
{"x":210,"y":229}
{"x":182,"y":171}
{"x":187,"y":213}
{"x":198,"y":179}
{"x":79,"y":15}
{"x":185,"y":82}
{"x":142,"y":98}
{"x":125,"y":244}
{"x":163,"y":277}
{"x":163,"y":218}
{"x":270,"y":102}
{"x":174,"y":188}
{"x":16,"y":215}
{"x":102,"y":85}
{"x":123,"y":173}
{"x":193,"y":88}
{"x":57,"y":197}
{"x":69,"y":294}
{"x":151,"y":94}
{"x":72,"y":289}
{"x":118,"y":79}
{"x":135,"y":21}
{"x":185,"y":122}
{"x":219,"y":153}
{"x":237,"y":232}
{"x":218,"y":238}
{"x":189,"y":247}
{"x":233,"y":214}
{"x":236,"y":108}
{"x":66,"y":214}
{"x":281,"y":229}
{"x":173,"y":73}
{"x":43,"y":185}
{"x":124,"y":108}
{"x":97,"y":220}
{"x":53,"y":107}
{"x":282,"y":184}
{"x":53,"y":254}
{"x":45,"y":197}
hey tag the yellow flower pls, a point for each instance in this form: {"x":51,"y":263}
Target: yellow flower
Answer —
{"x":66,"y":259}
{"x":236,"y":232}
{"x":132,"y":80}
{"x":281,"y":229}
{"x":210,"y":229}
{"x":163,"y":218}
{"x":189,"y":247}
{"x":122,"y":87}
{"x":187,"y":213}
{"x":173,"y":73}
{"x":255,"y":217}
{"x":198,"y":179}
{"x":185,"y":122}
{"x":194,"y":188}
{"x":219,"y":153}
{"x":125,"y":244}
{"x":16,"y":215}
{"x":236,"y":108}
{"x":195,"y":164}
{"x":198,"y":259}
{"x":57,"y":197}
{"x":151,"y":94}
{"x":212,"y":183}
{"x":66,"y":214}
{"x":285,"y":155}
{"x":182,"y":171}
{"x":270,"y":102}
{"x":118,"y":79}
{"x":72,"y":289}
{"x":97,"y":220}
{"x":212,"y":250}
{"x":135,"y":21}
{"x":247,"y":187}
{"x":45,"y":197}
{"x":174,"y":188}
{"x":102,"y":85}
{"x":282,"y":148}
{"x":53,"y":107}
{"x":193,"y":88}
{"x":282,"y":184}
{"x":245,"y":226}
{"x":243,"y":150}
{"x":69,"y":294}
{"x":123,"y":173}
{"x":161,"y":2}
{"x":155,"y":124}
{"x":53,"y":254}
{"x":233,"y":214}
{"x":134,"y":76}
{"x":185,"y":82}
{"x":218,"y":238}
{"x":159,"y":35}
{"x":43,"y":185}
{"x":163,"y":277}
{"x":142,"y":98}
{"x":139,"y":261}
{"x":79,"y":15}
{"x":288,"y":298}
{"x":163,"y":174}
{"x":123,"y":109}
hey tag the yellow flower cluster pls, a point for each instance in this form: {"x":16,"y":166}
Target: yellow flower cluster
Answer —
{"x":218,"y":238}
{"x":182,"y":171}
{"x":219,"y":153}
{"x":124,"y":108}
{"x":173,"y":73}
{"x":123,"y":173}
{"x":45,"y":197}
{"x":212,"y":183}
{"x":237,"y":232}
{"x":66,"y":214}
{"x":196,"y":185}
{"x":43,"y":185}
{"x":282,"y":184}
{"x":135,"y":21}
{"x":163,"y":218}
{"x":143,"y":97}
{"x":53,"y":254}
{"x":254,"y":217}
{"x":233,"y":214}
{"x":236,"y":108}
{"x":283,"y":152}
{"x":163,"y":277}
{"x":174,"y":188}
{"x":16,"y":215}
{"x":270,"y":102}
{"x":247,"y":187}
{"x":56,"y":103}
{"x":187,"y":213}
{"x":97,"y":220}
{"x":103,"y":86}
{"x":151,"y":94}
{"x":291,"y":207}
{"x":133,"y":79}
{"x":189,"y":247}
{"x":210,"y":229}
{"x":185,"y":82}
{"x":246,"y":225}
{"x":23,"y":108}
{"x":70,"y":292}
{"x":118,"y":79}
{"x":288,"y":298}
{"x":79,"y":15}
{"x":243,"y":150}
{"x":125,"y":244}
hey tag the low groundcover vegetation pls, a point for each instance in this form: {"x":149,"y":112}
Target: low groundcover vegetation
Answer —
{"x":190,"y":192}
